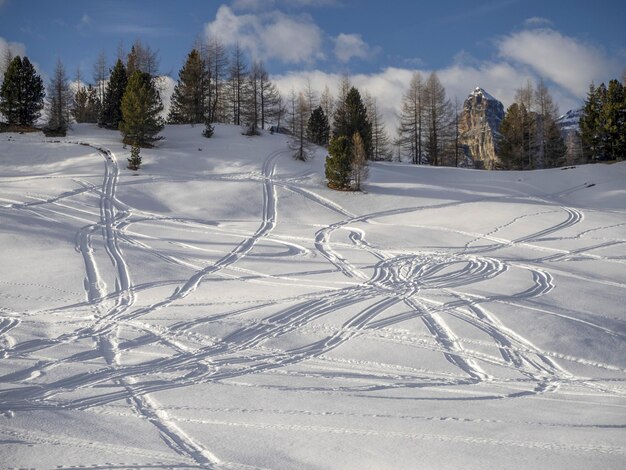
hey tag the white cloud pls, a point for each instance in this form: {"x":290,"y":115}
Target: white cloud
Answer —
{"x":16,"y":48}
{"x":273,"y":35}
{"x":348,"y":46}
{"x":500,"y":79}
{"x":566,"y":61}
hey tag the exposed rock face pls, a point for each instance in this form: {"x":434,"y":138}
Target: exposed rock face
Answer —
{"x":479,"y":125}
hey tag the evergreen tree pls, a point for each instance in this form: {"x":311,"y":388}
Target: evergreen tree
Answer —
{"x":555,"y":148}
{"x":111,"y":113}
{"x":594,"y":124}
{"x":190,"y":97}
{"x":94,"y":105}
{"x":588,"y":124}
{"x":86,"y":105}
{"x":614,"y":119}
{"x":549,"y":149}
{"x":134,"y":161}
{"x":338,"y":167}
{"x":351,"y":117}
{"x":318,"y":129}
{"x":512,"y":144}
{"x":22,"y":93}
{"x":60,"y":102}
{"x":141,"y":108}
{"x":81,"y":105}
{"x":524,"y":96}
{"x":209,"y":130}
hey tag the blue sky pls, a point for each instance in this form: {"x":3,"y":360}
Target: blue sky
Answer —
{"x":497,"y":44}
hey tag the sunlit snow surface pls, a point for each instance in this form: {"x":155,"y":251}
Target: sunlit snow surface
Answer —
{"x":222,"y":308}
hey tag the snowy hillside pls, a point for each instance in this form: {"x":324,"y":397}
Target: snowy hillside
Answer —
{"x":222,"y":308}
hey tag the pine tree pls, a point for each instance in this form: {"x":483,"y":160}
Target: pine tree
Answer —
{"x":555,"y":148}
{"x":318,"y":129}
{"x":111,"y":113}
{"x":81,"y":105}
{"x":512,"y":144}
{"x":338,"y":167}
{"x":11,"y":92}
{"x":85,"y":107}
{"x":134,"y":161}
{"x":351,"y":117}
{"x":614,"y":119}
{"x":22,"y":93}
{"x":60,"y":102}
{"x":603,"y":122}
{"x":209,"y":130}
{"x":141,"y":108}
{"x":93,"y":105}
{"x":524,"y":96}
{"x":550,"y":148}
{"x":190,"y":97}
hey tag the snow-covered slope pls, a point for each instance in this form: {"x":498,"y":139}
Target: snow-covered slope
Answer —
{"x":222,"y":308}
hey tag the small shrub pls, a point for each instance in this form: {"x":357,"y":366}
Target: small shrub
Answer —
{"x":208,"y":130}
{"x":134,"y":162}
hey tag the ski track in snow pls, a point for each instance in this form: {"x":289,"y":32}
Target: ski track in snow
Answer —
{"x":431,"y":287}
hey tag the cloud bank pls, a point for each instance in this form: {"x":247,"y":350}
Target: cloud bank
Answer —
{"x":15,"y":48}
{"x":274,"y":35}
{"x":536,"y":51}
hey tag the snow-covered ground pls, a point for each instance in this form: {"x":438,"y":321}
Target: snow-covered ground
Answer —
{"x":222,"y":308}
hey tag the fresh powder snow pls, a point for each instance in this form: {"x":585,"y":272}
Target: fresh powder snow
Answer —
{"x":222,"y":308}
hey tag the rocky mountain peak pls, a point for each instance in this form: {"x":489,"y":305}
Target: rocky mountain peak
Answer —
{"x":479,"y":125}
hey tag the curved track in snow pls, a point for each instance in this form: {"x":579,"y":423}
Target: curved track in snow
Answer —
{"x":432,"y":301}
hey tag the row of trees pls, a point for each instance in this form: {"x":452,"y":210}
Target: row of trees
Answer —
{"x":530,"y":137}
{"x":212,"y":88}
{"x":215,"y":85}
{"x":603,"y":122}
{"x":428,"y":129}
